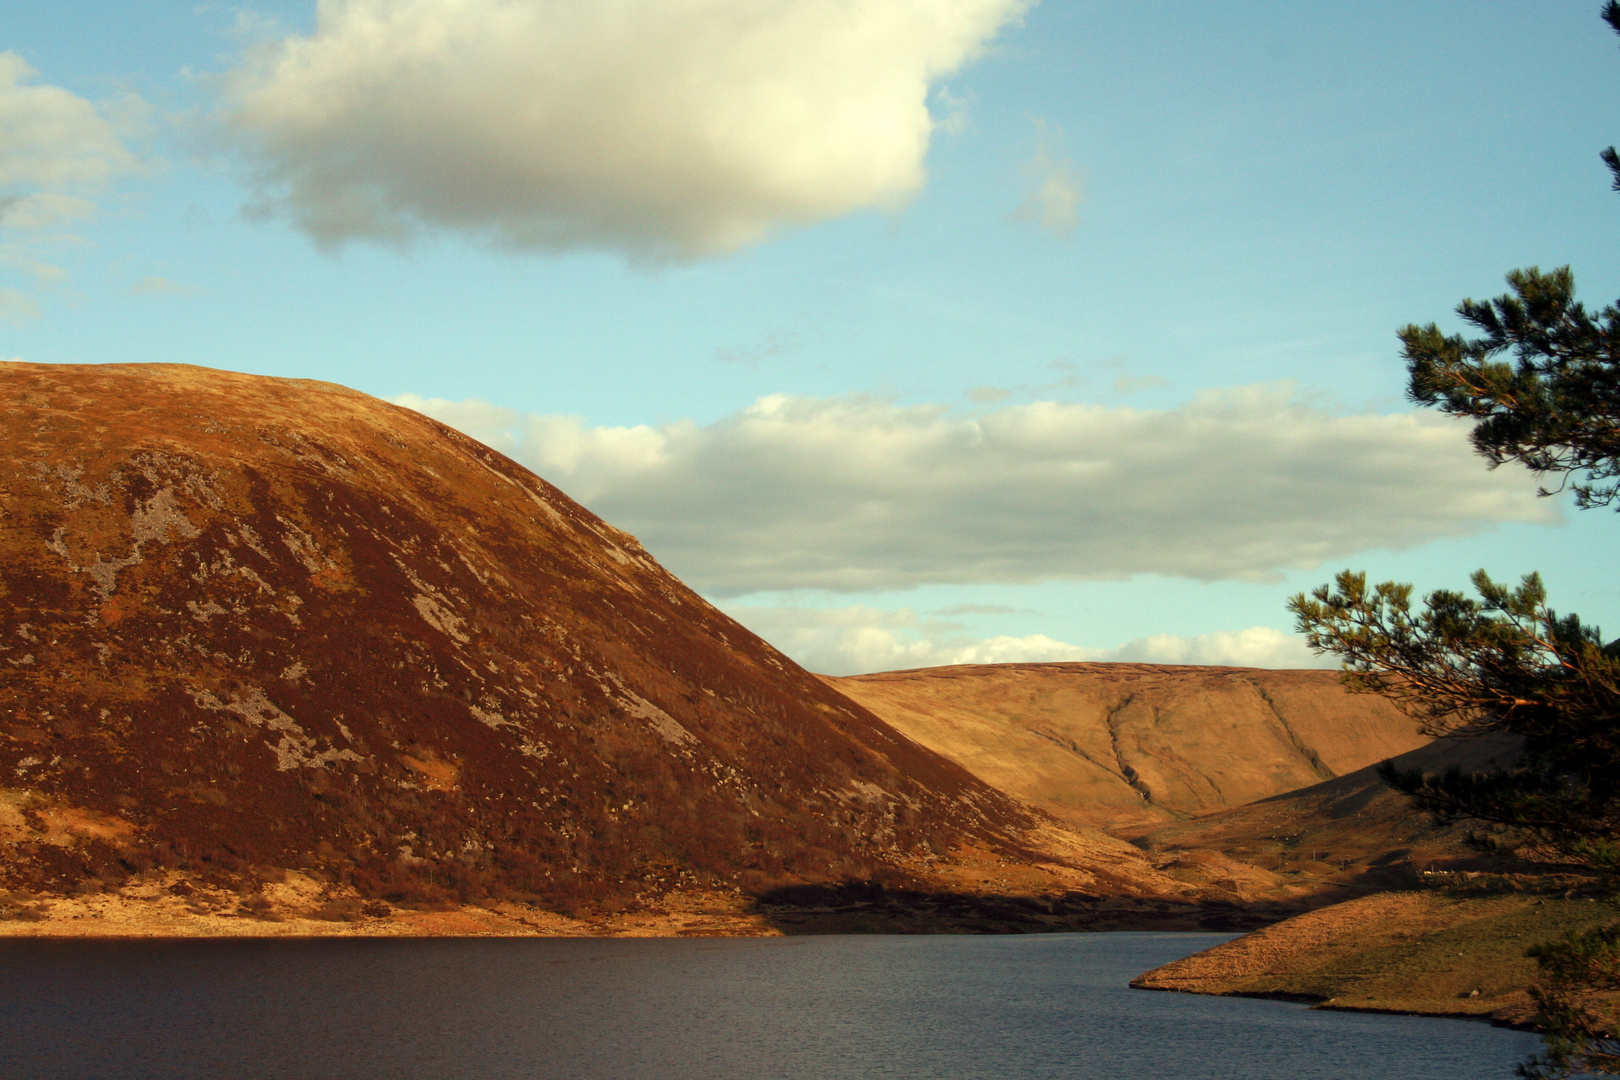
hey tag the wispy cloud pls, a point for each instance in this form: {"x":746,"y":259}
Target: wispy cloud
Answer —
{"x":1130,"y":384}
{"x":982,"y":609}
{"x":859,"y":493}
{"x":771,"y":347}
{"x":660,"y":128}
{"x":161,"y":286}
{"x":1068,"y":378}
{"x":952,"y":117}
{"x":1053,"y":199}
{"x":17,"y":306}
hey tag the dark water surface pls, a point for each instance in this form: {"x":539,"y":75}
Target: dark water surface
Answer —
{"x":822,"y":1008}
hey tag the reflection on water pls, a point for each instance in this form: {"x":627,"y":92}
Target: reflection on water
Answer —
{"x":821,"y":1008}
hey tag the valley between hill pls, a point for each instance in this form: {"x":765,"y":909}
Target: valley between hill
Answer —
{"x":277,"y":658}
{"x":1386,"y":911}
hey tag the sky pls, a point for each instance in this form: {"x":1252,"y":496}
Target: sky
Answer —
{"x":908,"y":332}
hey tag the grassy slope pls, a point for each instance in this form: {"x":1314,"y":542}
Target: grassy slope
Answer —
{"x":1133,"y":746}
{"x":1435,"y":952}
{"x":1353,"y":834}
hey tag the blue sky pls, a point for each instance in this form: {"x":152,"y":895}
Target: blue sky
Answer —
{"x":1095,"y":360}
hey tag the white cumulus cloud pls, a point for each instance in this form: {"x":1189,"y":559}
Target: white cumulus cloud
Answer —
{"x":663,"y":128}
{"x":859,"y":493}
{"x":52,"y":140}
{"x":58,"y":151}
{"x":1258,"y":646}
{"x":856,"y":640}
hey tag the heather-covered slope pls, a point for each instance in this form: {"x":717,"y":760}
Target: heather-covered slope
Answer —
{"x":1131,"y":746}
{"x":252,"y":623}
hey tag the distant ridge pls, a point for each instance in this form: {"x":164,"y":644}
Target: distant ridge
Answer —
{"x":1131,"y":746}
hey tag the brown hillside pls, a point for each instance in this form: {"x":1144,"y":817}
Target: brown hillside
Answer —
{"x":1440,"y":951}
{"x":1132,"y":746}
{"x":1449,"y":940}
{"x":1353,"y":831}
{"x":252,"y":623}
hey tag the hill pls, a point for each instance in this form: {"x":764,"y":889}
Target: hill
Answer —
{"x":1128,"y":747}
{"x":255,"y":627}
{"x":1351,"y":833}
{"x":1451,"y":950}
{"x":1448,"y":935}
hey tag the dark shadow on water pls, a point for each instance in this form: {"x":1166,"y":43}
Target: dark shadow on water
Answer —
{"x":873,"y":908}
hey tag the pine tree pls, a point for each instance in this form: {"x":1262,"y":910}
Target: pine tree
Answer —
{"x":1506,"y":661}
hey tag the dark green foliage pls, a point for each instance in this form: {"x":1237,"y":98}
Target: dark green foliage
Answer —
{"x":1457,"y":658}
{"x":1580,"y":1038}
{"x":1556,"y":407}
{"x":1506,"y":661}
{"x":1611,"y":15}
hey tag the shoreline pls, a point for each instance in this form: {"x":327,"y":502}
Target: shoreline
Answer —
{"x":124,"y":924}
{"x":1320,"y":1004}
{"x":175,"y":904}
{"x":1442,"y":953}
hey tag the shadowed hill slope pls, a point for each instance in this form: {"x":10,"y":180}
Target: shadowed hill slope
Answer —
{"x":1441,"y":951}
{"x":1352,"y":831}
{"x":1131,"y":746}
{"x":1445,"y":929}
{"x":251,"y":622}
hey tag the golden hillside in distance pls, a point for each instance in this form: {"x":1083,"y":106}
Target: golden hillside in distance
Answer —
{"x":1131,"y":746}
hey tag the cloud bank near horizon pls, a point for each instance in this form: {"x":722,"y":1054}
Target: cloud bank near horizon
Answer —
{"x":858,"y":640}
{"x":660,"y":128}
{"x":858,"y":494}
